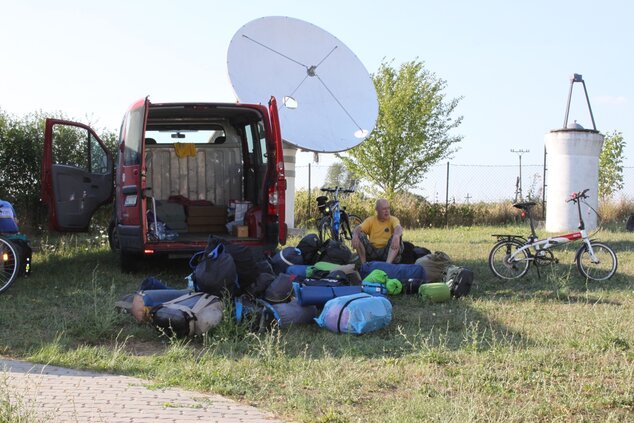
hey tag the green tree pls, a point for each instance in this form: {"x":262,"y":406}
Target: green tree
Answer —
{"x":412,"y":131}
{"x":21,"y":146}
{"x":611,"y":165}
{"x":339,"y":176}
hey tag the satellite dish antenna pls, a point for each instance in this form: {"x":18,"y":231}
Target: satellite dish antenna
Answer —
{"x":326,"y":98}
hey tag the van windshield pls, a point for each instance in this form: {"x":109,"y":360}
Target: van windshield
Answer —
{"x":194,"y":136}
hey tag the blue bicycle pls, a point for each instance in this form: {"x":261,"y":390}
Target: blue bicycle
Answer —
{"x":335,"y":223}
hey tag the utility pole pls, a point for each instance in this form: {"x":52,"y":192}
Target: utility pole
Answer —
{"x":519,"y":153}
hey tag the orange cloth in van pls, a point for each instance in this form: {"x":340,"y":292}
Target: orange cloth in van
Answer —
{"x":184,"y":149}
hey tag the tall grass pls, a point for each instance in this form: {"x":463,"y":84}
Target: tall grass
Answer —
{"x":537,"y":349}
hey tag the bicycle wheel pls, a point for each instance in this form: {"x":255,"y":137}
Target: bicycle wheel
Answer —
{"x":9,"y":264}
{"x":325,"y":229}
{"x":501,"y":263}
{"x":348,"y":226}
{"x":603,"y":268}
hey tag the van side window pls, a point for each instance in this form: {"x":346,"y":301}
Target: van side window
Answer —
{"x":133,"y":137}
{"x":248,"y":130}
{"x":262,"y":136}
{"x":71,"y":146}
{"x":78,"y":147}
{"x":98,"y":157}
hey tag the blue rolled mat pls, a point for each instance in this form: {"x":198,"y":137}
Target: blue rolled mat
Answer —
{"x":320,"y":295}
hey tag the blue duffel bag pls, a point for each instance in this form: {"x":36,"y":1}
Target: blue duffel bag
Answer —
{"x":402,"y":272}
{"x":320,"y":295}
{"x":358,"y":314}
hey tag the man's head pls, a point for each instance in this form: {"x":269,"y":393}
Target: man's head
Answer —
{"x":382,"y":209}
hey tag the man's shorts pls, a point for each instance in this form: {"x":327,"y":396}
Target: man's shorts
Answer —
{"x":379,"y":254}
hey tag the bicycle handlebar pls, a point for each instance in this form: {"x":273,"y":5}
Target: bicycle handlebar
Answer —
{"x":575,"y":196}
{"x":336,"y":189}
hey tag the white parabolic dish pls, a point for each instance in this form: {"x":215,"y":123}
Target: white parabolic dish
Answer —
{"x":326,"y":98}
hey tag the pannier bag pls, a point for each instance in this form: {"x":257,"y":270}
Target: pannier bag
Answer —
{"x":144,"y":301}
{"x":309,"y":247}
{"x":293,"y":313}
{"x":459,"y":279}
{"x":320,"y":295}
{"x":357,"y":314}
{"x":436,"y":292}
{"x":287,"y":256}
{"x":333,"y":251}
{"x":262,"y":314}
{"x":192,"y":314}
{"x":280,"y":289}
{"x":214,"y":269}
{"x":402,"y":272}
{"x":435,"y":265}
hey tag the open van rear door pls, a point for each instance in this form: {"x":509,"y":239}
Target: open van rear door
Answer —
{"x":278,"y":191}
{"x":77,"y":175}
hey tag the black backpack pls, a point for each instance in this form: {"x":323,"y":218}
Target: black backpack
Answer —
{"x":246,"y":265}
{"x":333,"y":251}
{"x":459,"y":280}
{"x":309,"y":246}
{"x":214,"y":270}
{"x":411,"y":253}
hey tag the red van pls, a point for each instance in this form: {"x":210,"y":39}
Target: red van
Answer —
{"x":181,"y":166}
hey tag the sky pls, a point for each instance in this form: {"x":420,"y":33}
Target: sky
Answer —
{"x":509,"y":62}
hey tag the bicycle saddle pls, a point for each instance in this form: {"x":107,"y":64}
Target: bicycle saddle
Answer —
{"x":524,"y":206}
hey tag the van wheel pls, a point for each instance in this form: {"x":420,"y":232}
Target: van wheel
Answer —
{"x":128,"y":261}
{"x":113,"y":236}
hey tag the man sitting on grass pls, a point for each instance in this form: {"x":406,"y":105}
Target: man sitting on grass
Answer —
{"x":380,"y":237}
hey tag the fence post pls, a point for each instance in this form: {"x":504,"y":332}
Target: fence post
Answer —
{"x":308,"y":215}
{"x":447,"y":199}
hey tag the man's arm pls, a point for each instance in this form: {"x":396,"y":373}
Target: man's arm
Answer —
{"x":396,"y":238}
{"x":355,"y":237}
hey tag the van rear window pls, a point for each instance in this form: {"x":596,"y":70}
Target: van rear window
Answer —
{"x":193,"y":136}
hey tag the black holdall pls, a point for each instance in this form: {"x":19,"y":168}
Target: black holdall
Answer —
{"x":629,"y":226}
{"x":333,"y":251}
{"x":309,"y":246}
{"x":214,"y":270}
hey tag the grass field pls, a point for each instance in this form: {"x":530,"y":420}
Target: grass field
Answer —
{"x":557,"y":348}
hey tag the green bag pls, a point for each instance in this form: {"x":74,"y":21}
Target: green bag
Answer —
{"x":436,"y":292}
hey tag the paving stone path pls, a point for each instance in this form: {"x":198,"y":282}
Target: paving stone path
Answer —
{"x":58,"y":394}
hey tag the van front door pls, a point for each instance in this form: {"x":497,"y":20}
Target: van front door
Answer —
{"x":77,"y":175}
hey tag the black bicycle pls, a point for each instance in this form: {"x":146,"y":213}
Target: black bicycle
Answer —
{"x":335,"y":223}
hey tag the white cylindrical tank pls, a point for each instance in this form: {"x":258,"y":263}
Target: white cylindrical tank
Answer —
{"x":572,"y":163}
{"x":289,"y":167}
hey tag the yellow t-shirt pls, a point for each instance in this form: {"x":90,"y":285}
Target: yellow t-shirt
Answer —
{"x":378,"y":232}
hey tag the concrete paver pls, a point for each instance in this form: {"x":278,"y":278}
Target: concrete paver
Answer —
{"x":66,"y":395}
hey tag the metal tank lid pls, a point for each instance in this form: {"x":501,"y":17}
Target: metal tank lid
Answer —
{"x":575,"y":127}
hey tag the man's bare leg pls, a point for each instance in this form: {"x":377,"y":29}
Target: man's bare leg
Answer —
{"x":391,"y":255}
{"x":361,"y":252}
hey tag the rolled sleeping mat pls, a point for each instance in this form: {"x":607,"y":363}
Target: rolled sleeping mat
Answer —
{"x":143,"y":301}
{"x":320,"y":295}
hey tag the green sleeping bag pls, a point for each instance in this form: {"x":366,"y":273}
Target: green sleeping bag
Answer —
{"x":436,"y":292}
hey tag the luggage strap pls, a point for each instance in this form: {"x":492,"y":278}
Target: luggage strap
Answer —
{"x":344,"y":307}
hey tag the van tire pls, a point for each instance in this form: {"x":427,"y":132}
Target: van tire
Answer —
{"x":128,"y":261}
{"x":113,"y":236}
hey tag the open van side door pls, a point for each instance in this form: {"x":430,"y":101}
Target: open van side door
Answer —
{"x":77,"y":175}
{"x":277,"y":194}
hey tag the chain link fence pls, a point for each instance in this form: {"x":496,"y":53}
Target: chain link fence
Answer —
{"x":460,"y":187}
